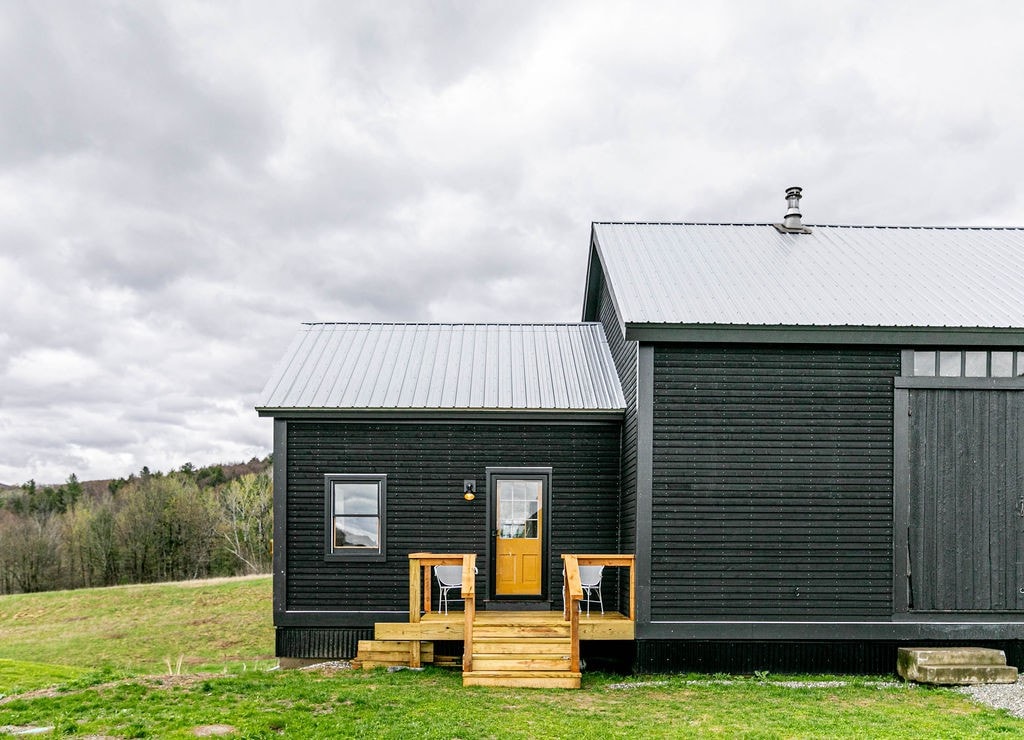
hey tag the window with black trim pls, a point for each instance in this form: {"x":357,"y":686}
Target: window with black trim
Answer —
{"x":355,"y":516}
{"x":969,"y":363}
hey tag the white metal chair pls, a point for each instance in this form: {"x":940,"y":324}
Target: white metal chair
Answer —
{"x":449,"y":578}
{"x":590,"y":580}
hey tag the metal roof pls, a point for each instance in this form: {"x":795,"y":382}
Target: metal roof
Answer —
{"x":528,"y":367}
{"x":850,"y":276}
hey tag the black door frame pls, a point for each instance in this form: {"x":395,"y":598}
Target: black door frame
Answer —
{"x":525,"y":473}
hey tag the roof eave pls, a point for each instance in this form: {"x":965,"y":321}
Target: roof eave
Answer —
{"x":445,"y":414}
{"x":783,"y":334}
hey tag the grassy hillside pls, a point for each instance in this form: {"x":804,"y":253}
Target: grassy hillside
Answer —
{"x":205,"y":624}
{"x":98,"y":662}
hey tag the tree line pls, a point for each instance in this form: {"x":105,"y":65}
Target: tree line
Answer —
{"x":189,"y":523}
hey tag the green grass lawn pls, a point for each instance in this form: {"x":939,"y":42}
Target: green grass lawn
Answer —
{"x":205,"y":624}
{"x":94,"y":663}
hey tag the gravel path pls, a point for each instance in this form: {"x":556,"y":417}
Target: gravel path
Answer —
{"x":1008,"y":696}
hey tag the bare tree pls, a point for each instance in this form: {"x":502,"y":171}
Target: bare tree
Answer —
{"x":247,"y":511}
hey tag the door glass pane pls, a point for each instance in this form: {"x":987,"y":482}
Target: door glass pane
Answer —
{"x":924,"y":363}
{"x":519,"y":508}
{"x":1002,"y":364}
{"x":1019,"y":368}
{"x":355,"y":498}
{"x":949,"y":364}
{"x":356,"y":531}
{"x":976,"y":364}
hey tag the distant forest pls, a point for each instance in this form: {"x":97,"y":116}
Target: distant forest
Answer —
{"x":151,"y":526}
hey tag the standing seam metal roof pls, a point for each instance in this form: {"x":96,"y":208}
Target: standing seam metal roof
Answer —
{"x":529,"y":367}
{"x":867,"y":276}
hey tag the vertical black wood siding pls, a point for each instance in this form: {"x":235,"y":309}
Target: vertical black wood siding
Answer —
{"x":966,"y":488}
{"x":426,"y":464}
{"x":772,"y":482}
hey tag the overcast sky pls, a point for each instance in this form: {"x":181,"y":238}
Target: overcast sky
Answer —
{"x":182,"y":184}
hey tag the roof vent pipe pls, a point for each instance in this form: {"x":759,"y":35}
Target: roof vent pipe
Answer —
{"x":792,"y":219}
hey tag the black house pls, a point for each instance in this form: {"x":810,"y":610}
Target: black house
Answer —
{"x":809,"y":438}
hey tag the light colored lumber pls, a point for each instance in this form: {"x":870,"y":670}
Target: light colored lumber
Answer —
{"x":520,"y":664}
{"x":521,"y":679}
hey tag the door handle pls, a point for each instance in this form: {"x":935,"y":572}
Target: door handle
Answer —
{"x":1020,"y":508}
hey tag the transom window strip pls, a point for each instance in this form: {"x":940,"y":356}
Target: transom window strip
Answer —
{"x":969,"y":363}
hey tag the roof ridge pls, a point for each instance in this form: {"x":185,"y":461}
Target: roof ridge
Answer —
{"x":451,"y":323}
{"x":815,"y":226}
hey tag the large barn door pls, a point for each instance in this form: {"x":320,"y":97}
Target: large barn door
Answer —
{"x":966,"y":507}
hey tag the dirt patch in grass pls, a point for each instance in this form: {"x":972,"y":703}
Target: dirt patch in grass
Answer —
{"x":210,"y":730}
{"x":156,"y":682}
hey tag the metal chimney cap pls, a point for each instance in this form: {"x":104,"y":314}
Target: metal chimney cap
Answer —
{"x":791,"y":223}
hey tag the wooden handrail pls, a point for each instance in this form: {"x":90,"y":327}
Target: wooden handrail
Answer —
{"x":616,"y":561}
{"x":419,"y":583}
{"x":420,"y":564}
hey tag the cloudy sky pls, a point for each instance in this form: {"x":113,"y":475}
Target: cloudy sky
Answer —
{"x":183,"y":183}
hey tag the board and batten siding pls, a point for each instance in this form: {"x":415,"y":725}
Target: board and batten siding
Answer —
{"x":426,"y":464}
{"x":772,"y":484}
{"x":966,"y":456}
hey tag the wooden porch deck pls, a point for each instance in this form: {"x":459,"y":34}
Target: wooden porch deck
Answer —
{"x":435,"y":626}
{"x":501,"y":648}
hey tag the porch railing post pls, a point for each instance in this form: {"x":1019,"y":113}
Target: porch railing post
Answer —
{"x":469,"y":599}
{"x":574,"y":594}
{"x":415,"y":585}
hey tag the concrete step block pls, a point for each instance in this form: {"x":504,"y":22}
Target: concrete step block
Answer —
{"x":953,"y":656}
{"x":964,"y":675}
{"x":954,"y":666}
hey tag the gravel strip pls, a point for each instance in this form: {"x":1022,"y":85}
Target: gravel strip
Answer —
{"x":768,"y":682}
{"x":1008,"y":696}
{"x":328,"y":665}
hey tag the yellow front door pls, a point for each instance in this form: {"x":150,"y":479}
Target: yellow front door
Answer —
{"x":520,"y":535}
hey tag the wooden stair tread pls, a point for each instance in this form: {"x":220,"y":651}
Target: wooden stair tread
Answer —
{"x":385,"y":653}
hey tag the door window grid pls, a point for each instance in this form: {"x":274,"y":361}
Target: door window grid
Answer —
{"x":518,"y":508}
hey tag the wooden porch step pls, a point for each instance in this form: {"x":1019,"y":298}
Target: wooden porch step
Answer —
{"x":520,"y":663}
{"x":523,"y":630}
{"x":523,"y":679}
{"x":532,"y":645}
{"x":381,"y":653}
{"x":523,"y":649}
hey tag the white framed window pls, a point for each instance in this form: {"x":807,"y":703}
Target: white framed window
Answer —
{"x":355,"y":516}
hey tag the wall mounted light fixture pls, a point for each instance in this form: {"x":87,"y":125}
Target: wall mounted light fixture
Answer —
{"x":469,"y":492}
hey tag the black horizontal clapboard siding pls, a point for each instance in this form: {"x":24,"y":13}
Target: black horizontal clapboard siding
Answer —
{"x":426,"y":464}
{"x":966,"y":457}
{"x":624,"y":354}
{"x":772,"y":486}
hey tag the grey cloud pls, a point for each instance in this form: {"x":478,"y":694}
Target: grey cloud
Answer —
{"x":181,"y":185}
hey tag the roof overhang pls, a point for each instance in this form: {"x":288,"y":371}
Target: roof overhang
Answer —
{"x":917,"y":336}
{"x":446,"y":415}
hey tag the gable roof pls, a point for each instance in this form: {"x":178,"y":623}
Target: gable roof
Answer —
{"x":907,"y":282}
{"x":363,"y":367}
